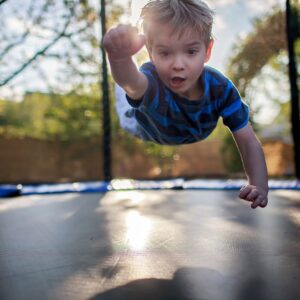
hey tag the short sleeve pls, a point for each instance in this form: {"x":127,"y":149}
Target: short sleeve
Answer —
{"x":234,"y":111}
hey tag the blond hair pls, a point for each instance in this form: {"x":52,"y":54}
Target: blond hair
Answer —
{"x":181,"y":15}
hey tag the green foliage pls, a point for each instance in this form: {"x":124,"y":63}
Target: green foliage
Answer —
{"x":10,"y":121}
{"x":73,"y":117}
{"x":45,"y":116}
{"x":283,"y":118}
{"x":252,"y":53}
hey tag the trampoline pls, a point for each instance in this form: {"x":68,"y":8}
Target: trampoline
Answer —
{"x":135,"y":240}
{"x":168,"y":243}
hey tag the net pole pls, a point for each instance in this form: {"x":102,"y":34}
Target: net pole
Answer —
{"x":106,"y":125}
{"x":292,"y":29}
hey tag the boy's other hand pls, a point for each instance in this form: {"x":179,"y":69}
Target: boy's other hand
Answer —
{"x":122,"y":42}
{"x":255,"y":194}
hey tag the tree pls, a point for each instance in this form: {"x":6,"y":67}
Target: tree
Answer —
{"x":50,"y":116}
{"x":251,"y":54}
{"x":38,"y":35}
{"x":264,"y":48}
{"x":2,"y":1}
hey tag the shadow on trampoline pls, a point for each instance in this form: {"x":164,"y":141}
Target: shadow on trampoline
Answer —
{"x":189,"y":284}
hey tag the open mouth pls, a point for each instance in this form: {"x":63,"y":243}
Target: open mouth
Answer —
{"x":177,"y":80}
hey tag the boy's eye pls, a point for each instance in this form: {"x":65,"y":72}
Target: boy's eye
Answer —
{"x":163,"y":53}
{"x":192,"y":51}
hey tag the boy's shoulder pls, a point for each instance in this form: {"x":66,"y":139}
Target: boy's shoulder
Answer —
{"x":148,"y":66}
{"x":215,"y":77}
{"x":149,"y":70}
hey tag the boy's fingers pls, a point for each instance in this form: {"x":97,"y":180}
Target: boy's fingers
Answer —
{"x":264,"y":203}
{"x":125,"y":41}
{"x":133,"y":30}
{"x":119,"y":37}
{"x":140,"y":42}
{"x":244,"y":191}
{"x":116,"y":40}
{"x":252,"y":195}
{"x":256,"y":202}
{"x":111,"y":41}
{"x":127,"y":35}
{"x":260,"y":201}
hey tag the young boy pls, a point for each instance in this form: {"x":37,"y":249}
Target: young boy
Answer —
{"x":175,"y":98}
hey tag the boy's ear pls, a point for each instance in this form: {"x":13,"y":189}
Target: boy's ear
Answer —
{"x":209,"y":50}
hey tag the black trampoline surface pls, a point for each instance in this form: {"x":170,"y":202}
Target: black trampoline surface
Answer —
{"x":150,"y":245}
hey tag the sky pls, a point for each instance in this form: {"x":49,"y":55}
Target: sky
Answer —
{"x":233,"y":20}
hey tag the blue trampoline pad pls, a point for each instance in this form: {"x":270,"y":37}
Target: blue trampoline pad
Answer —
{"x":131,"y":184}
{"x":150,"y":244}
{"x":10,"y":190}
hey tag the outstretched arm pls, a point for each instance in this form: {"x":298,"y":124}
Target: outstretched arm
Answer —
{"x":121,"y":43}
{"x":255,"y":167}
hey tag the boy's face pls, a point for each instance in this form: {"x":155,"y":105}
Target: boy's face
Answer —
{"x":179,"y":59}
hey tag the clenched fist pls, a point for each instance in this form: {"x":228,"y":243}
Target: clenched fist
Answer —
{"x":254,"y":194}
{"x":122,"y":42}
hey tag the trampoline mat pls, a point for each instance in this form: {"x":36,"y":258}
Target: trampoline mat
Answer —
{"x":143,"y":245}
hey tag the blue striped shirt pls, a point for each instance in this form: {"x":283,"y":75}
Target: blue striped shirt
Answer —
{"x":167,"y":118}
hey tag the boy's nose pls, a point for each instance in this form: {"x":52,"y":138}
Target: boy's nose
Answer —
{"x":178,"y":63}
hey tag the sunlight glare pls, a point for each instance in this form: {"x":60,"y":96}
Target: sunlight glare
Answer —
{"x":138,"y":230}
{"x":135,"y":9}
